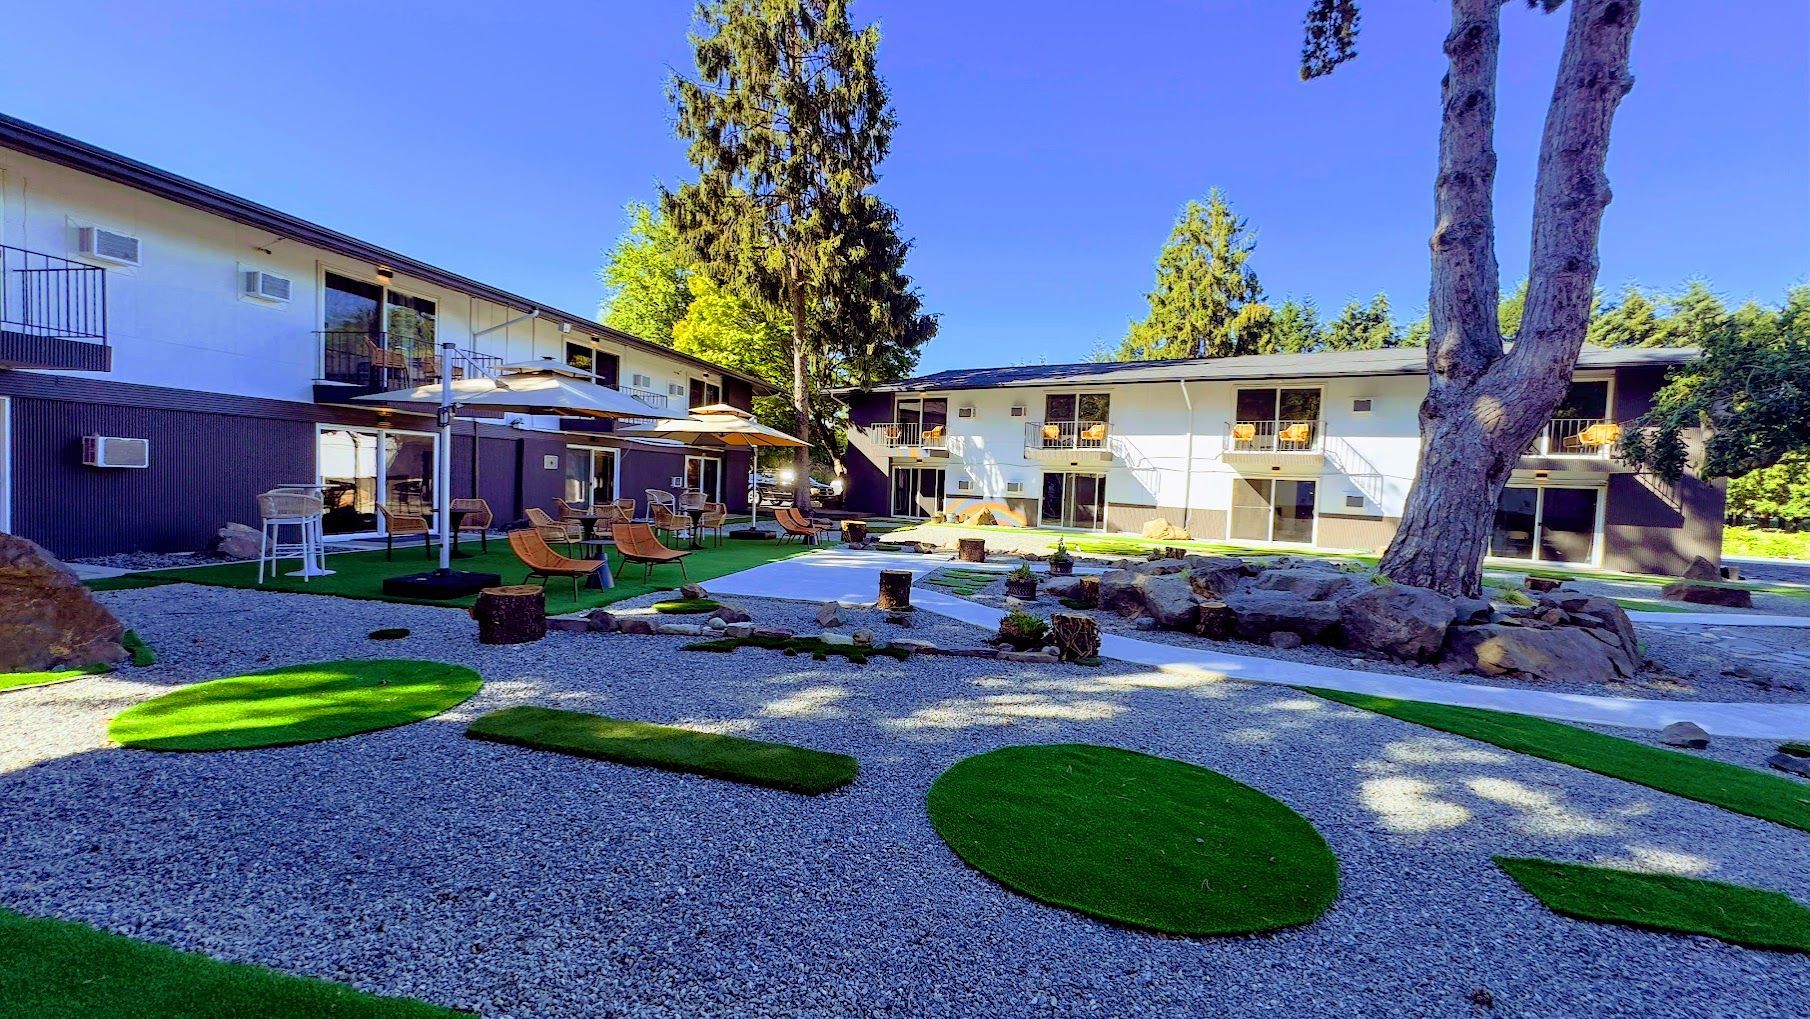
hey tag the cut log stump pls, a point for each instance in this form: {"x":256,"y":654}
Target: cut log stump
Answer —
{"x":895,"y":590}
{"x":854,"y":532}
{"x":511,"y":615}
{"x":1076,"y":636}
{"x":1215,"y":620}
{"x":1087,"y":592}
{"x":971,"y":550}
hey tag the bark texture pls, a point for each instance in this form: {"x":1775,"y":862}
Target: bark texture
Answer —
{"x":1485,"y":405}
{"x":511,"y":615}
{"x":971,"y":550}
{"x":895,"y":590}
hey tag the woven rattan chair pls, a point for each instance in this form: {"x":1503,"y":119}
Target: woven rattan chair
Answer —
{"x":564,"y":532}
{"x":477,"y":519}
{"x":639,"y":544}
{"x":797,"y":525}
{"x":715,"y":520}
{"x":567,"y":511}
{"x":664,"y":519}
{"x":543,"y":562}
{"x":397,"y":524}
{"x":280,"y":508}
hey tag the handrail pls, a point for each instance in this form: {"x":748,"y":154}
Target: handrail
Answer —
{"x":1580,"y":437}
{"x":891,"y":434}
{"x":1274,"y":435}
{"x":1065,"y":434}
{"x":50,"y":297}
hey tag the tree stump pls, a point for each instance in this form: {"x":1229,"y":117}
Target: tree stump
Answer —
{"x":895,"y":590}
{"x":511,"y":615}
{"x":1075,"y":635}
{"x":1087,"y":592}
{"x":971,"y":550}
{"x":854,"y":532}
{"x":1215,"y":620}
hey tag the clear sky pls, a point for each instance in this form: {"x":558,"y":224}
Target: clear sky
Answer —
{"x":1043,"y":150}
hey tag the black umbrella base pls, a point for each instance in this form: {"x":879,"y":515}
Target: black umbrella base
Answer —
{"x":440,"y":584}
{"x":751,"y":534}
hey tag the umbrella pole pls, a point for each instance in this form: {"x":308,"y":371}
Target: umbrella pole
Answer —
{"x":443,"y":457}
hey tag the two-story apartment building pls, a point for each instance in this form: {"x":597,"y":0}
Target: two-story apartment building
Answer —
{"x":1309,"y":449}
{"x":168,"y":351}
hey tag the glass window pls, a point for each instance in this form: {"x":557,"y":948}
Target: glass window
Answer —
{"x":347,"y":461}
{"x":703,"y":394}
{"x":410,"y":323}
{"x":1256,"y":405}
{"x":1568,"y":525}
{"x":408,"y":472}
{"x":1587,"y":399}
{"x":351,"y":306}
{"x":1093,"y":407}
{"x":1250,"y":519}
{"x":1511,"y":536}
{"x":1298,"y":404}
{"x":1059,"y":407}
{"x":704,"y":474}
{"x":1294,"y":511}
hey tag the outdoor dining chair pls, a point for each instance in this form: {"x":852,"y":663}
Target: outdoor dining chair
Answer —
{"x":639,"y":544}
{"x":477,"y":519}
{"x":714,"y":521}
{"x":672,"y":523}
{"x":397,"y":524}
{"x":565,"y":532}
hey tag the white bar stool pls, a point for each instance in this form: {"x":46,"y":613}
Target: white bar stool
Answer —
{"x":313,"y":564}
{"x":280,"y":508}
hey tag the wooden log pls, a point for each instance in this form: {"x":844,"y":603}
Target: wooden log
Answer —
{"x":854,"y":532}
{"x":895,"y":590}
{"x":1075,"y":635}
{"x":971,"y":550}
{"x":1087,"y":592}
{"x":1215,"y":620}
{"x":511,"y":615}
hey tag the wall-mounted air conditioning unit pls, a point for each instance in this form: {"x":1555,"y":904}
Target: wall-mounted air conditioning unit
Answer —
{"x":963,"y":484}
{"x":113,"y":451}
{"x":676,"y":482}
{"x":1018,"y":410}
{"x":110,"y":245}
{"x":267,"y":286}
{"x":1014,"y":487}
{"x":640,"y":381}
{"x":674,"y":389}
{"x":964,"y":412}
{"x":1354,"y":501}
{"x":1361,"y":405}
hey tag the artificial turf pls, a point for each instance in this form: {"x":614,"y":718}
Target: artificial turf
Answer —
{"x":53,"y":969}
{"x":1731,"y":787}
{"x":816,"y":647}
{"x":1752,"y":917}
{"x":295,"y":704}
{"x":22,"y":680}
{"x":141,"y":654}
{"x":687,"y":606}
{"x":1139,"y":840}
{"x":129,"y":582}
{"x":361,"y":574}
{"x":624,"y":741}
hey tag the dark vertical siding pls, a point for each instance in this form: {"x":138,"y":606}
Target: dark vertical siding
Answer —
{"x":643,"y":469}
{"x":869,"y":489}
{"x":737,"y":393}
{"x":1650,"y":527}
{"x":736,"y":466}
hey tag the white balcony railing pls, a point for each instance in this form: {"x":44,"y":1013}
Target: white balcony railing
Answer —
{"x":1587,"y":437}
{"x":1275,"y":436}
{"x":894,"y":434}
{"x":1064,"y":435}
{"x":658,"y":401}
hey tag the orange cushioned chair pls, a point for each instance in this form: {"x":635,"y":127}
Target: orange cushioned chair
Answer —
{"x":543,"y":562}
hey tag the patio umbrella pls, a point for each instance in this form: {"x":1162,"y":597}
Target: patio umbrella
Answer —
{"x":535,"y":387}
{"x":719,"y":425}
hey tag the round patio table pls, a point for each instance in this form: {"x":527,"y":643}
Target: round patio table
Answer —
{"x":455,"y":517}
{"x":697,"y":521}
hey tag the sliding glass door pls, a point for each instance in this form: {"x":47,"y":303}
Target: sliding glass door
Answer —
{"x":358,"y":468}
{"x":1549,"y":524}
{"x":1073,"y":500}
{"x":704,"y":474}
{"x":590,"y":476}
{"x":917,"y":492}
{"x":1273,"y":509}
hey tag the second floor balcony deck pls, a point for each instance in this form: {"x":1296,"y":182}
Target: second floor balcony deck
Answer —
{"x":357,"y":362}
{"x":1275,"y":436}
{"x":907,"y":434}
{"x":1595,"y":438}
{"x":1064,"y":437}
{"x":53,"y":313}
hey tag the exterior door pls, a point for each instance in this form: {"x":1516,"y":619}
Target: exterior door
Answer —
{"x":1557,"y":525}
{"x":358,"y":468}
{"x":1073,"y":500}
{"x":1273,"y":509}
{"x":917,"y":492}
{"x":705,"y":474}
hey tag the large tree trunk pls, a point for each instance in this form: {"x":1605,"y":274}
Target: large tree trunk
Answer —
{"x":1483,"y":406}
{"x":801,"y":392}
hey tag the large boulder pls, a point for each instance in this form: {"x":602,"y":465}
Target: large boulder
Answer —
{"x":1397,"y":620}
{"x":1567,"y":653}
{"x":1119,"y":593}
{"x":1167,"y":598}
{"x":1308,"y":582}
{"x":239,"y":541}
{"x":1216,"y":576}
{"x":1606,"y":621}
{"x":48,"y":620}
{"x":1161,"y":567}
{"x":1708,"y":594}
{"x":1160,"y":529}
{"x":1261,"y":613}
{"x":1702,"y":569}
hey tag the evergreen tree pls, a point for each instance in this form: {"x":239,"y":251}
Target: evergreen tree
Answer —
{"x":1364,"y":326}
{"x":644,"y":275}
{"x":1207,"y":301}
{"x":1634,"y":322}
{"x":1695,"y":314}
{"x":787,"y":122}
{"x":1508,"y":312}
{"x":1295,"y":328}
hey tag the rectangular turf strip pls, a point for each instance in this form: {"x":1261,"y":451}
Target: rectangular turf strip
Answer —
{"x":1739,"y":915}
{"x":53,"y":969}
{"x":625,"y":741}
{"x":1729,"y":786}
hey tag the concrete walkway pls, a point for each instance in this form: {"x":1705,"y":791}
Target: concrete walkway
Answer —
{"x":1716,"y":619}
{"x":849,"y":576}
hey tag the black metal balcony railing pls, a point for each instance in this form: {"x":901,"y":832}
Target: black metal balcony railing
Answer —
{"x":53,"y":312}
{"x":389,"y":361}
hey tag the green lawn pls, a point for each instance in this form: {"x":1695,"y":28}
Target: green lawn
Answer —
{"x":1752,"y":541}
{"x":52,"y":969}
{"x":361,"y":574}
{"x":1143,"y":841}
{"x":624,"y":741}
{"x":1731,"y":787}
{"x":22,"y":680}
{"x":687,"y":606}
{"x":1648,"y":605}
{"x":1663,"y":902}
{"x":295,"y":704}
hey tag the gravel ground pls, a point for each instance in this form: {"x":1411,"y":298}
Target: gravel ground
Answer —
{"x":517,"y":883}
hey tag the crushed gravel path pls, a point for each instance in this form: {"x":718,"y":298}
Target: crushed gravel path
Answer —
{"x":517,"y":884}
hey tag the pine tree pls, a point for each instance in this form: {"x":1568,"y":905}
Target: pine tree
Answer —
{"x":1364,"y":326}
{"x":1207,"y":301}
{"x":1696,"y":313}
{"x":1295,"y":328}
{"x":1634,"y":322}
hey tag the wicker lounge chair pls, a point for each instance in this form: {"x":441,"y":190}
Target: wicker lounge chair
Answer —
{"x":397,"y":524}
{"x":799,"y":526}
{"x":543,"y":562}
{"x":565,"y":532}
{"x":638,"y":544}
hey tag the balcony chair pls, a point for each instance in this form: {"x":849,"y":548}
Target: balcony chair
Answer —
{"x":639,"y":544}
{"x":477,"y":519}
{"x":399,"y":524}
{"x":1244,"y":431}
{"x":389,"y":366}
{"x":543,"y":562}
{"x":1298,"y":434}
{"x":1095,"y":432}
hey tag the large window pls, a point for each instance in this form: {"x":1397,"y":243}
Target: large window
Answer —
{"x":1272,"y":509}
{"x":374,"y":336}
{"x":1284,"y":420}
{"x":1075,"y":420}
{"x":358,"y":468}
{"x":603,"y":367}
{"x":704,"y":394}
{"x":590,"y":476}
{"x":1572,"y":430}
{"x":1549,"y":524}
{"x":921,"y":420}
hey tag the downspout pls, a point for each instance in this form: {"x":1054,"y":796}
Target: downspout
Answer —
{"x":1188,"y":464}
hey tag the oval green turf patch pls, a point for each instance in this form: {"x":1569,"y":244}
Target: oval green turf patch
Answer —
{"x":1139,"y":840}
{"x":295,"y":704}
{"x":687,"y":606}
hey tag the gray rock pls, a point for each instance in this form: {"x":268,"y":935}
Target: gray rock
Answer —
{"x":48,"y":619}
{"x":1145,"y":623}
{"x":738,"y":630}
{"x":732,"y":614}
{"x":1261,"y":613}
{"x":863,"y":637}
{"x":1027,"y":657}
{"x":1214,"y":577}
{"x":1688,"y":735}
{"x":772,"y":633}
{"x":1604,"y":620}
{"x":1787,"y":763}
{"x":1160,"y":567}
{"x":1539,"y":584}
{"x":899,"y":619}
{"x":1708,"y":594}
{"x":830,"y":614}
{"x":915,"y":646}
{"x":837,"y":639}
{"x":714,"y":623}
{"x":683,"y":630}
{"x":1166,"y":597}
{"x":569,"y":625}
{"x":238,"y":541}
{"x":1062,"y":587}
{"x":1471,"y":610}
{"x":692,"y":591}
{"x":1307,"y":582}
{"x":602,"y":620}
{"x":1285,"y":641}
{"x":634,"y":625}
{"x":1397,"y":620}
{"x":1566,"y":653}
{"x":1702,"y":569}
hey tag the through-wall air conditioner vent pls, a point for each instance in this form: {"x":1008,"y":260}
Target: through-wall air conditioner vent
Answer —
{"x":676,"y":482}
{"x":267,"y":286}
{"x":1014,"y":487}
{"x":1018,"y":410}
{"x":112,"y":451}
{"x":1354,"y":502}
{"x":1361,"y":405}
{"x":674,"y":389}
{"x":963,"y":484}
{"x":640,"y":381}
{"x":964,"y":412}
{"x":110,"y":246}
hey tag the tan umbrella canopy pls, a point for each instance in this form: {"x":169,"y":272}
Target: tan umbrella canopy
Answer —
{"x":718,"y":424}
{"x":537,"y":387}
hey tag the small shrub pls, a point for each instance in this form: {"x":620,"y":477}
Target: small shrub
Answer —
{"x":1022,"y":573}
{"x":1380,"y":580}
{"x":142,"y":655}
{"x":1518,"y":597}
{"x":1022,"y":630}
{"x":387,"y":633}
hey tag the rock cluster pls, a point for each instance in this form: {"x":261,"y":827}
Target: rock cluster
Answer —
{"x":48,"y":620}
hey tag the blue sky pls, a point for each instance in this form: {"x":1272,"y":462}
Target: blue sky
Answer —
{"x":1044,"y":149}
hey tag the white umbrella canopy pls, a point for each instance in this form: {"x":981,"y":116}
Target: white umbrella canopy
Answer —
{"x":537,"y":387}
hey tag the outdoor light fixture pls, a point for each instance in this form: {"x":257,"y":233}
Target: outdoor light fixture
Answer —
{"x":385,"y":273}
{"x":1542,"y":474}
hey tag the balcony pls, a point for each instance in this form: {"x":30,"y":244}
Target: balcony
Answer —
{"x":1067,"y":441}
{"x":355,"y":363}
{"x":659,"y":401}
{"x":909,"y":439}
{"x":53,"y":313}
{"x":1275,"y":444}
{"x":1590,"y":438}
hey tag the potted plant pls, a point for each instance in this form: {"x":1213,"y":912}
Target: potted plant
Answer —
{"x":1061,"y":563}
{"x":1022,"y":631}
{"x":1021,"y":583}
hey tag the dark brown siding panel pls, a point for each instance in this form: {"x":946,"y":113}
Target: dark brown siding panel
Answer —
{"x":867,"y":488}
{"x":1649,"y":527}
{"x":643,"y":469}
{"x":1201,"y":523}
